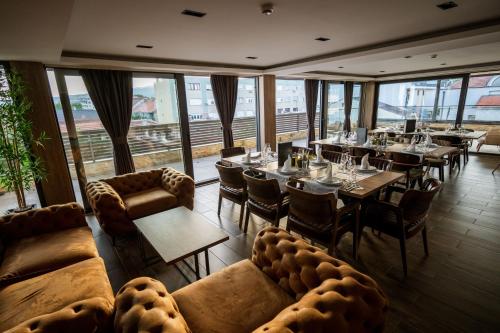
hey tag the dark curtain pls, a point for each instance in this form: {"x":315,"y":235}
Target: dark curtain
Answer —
{"x":225,"y":89}
{"x":311,"y":90}
{"x":348,"y":88}
{"x":111,"y":93}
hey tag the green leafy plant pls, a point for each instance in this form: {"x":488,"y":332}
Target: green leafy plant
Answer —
{"x":19,"y":167}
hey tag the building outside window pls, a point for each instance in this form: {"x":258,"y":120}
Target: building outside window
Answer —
{"x":483,"y":99}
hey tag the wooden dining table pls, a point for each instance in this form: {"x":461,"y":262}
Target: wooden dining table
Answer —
{"x":463,"y":135}
{"x":367,"y":186}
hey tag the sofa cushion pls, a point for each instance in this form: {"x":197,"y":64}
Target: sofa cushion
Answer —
{"x":53,"y":291}
{"x":32,"y":256}
{"x":147,"y":202}
{"x":237,"y":299}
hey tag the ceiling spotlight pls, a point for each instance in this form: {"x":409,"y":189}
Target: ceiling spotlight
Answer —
{"x":189,"y":12}
{"x":267,"y":9}
{"x":140,"y":46}
{"x":341,"y":66}
{"x":322,"y":39}
{"x":253,"y":58}
{"x":447,"y":5}
{"x":407,"y":57}
{"x":434,"y":56}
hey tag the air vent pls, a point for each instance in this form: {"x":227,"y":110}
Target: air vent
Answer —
{"x":447,"y":5}
{"x":322,"y":39}
{"x":253,"y":58}
{"x":194,"y":13}
{"x":144,"y":46}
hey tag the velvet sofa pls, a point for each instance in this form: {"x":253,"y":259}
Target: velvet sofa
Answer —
{"x":119,"y":200}
{"x":287,"y":286}
{"x":51,"y":277}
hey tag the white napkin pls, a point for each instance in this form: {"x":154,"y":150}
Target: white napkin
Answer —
{"x":329,"y":175}
{"x":428,"y":140}
{"x":336,"y":138}
{"x":368,"y":143}
{"x":412,"y":147}
{"x":287,"y":166}
{"x":364,"y":162}
{"x":246,"y":158}
{"x":319,"y":157}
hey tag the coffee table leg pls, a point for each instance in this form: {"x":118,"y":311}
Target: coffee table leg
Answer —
{"x":197,"y":266}
{"x":207,"y":263}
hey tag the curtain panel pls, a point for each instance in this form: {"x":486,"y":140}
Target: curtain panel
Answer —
{"x":111,"y":93}
{"x":225,"y":89}
{"x":311,"y":91}
{"x":348,"y":90}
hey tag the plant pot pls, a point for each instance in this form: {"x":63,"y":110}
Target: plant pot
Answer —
{"x":20,"y":210}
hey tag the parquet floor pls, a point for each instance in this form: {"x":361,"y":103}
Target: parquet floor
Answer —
{"x":455,"y":289}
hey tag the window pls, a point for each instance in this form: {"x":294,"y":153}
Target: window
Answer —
{"x":196,"y":101}
{"x":356,"y":97}
{"x":208,"y":87}
{"x":196,"y":86}
{"x":241,"y":100}
{"x":249,"y":100}
{"x":335,"y":110}
{"x":210,"y":101}
{"x":483,"y":99}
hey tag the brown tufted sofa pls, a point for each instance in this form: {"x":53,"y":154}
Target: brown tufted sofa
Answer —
{"x":51,"y":277}
{"x":117,"y":201}
{"x":288,"y":286}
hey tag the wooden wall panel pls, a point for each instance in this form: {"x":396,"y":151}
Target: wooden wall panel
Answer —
{"x":57,"y":188}
{"x":267,"y":99}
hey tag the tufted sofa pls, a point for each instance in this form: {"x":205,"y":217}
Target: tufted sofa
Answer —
{"x":288,"y":286}
{"x":119,"y":200}
{"x":51,"y":277}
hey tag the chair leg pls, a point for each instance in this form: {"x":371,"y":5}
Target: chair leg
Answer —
{"x":424,"y":239}
{"x":441,"y":173}
{"x":220,"y":204}
{"x":355,"y":237}
{"x":402,"y":245}
{"x":242,"y":210}
{"x":247,"y":217}
{"x":420,"y":181}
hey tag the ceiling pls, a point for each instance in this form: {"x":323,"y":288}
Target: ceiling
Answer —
{"x":369,"y":39}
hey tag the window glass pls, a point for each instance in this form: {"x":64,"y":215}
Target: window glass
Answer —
{"x":483,"y":99}
{"x":335,"y":111}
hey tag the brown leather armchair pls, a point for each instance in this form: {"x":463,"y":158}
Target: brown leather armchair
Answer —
{"x":288,"y":286}
{"x":119,"y":200}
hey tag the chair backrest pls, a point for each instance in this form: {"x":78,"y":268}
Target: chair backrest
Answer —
{"x":231,"y":176}
{"x":296,"y":149}
{"x":452,"y":139}
{"x":332,"y":148}
{"x":416,"y":203}
{"x":310,"y":208}
{"x":231,"y":151}
{"x":380,"y":163}
{"x":362,"y":151}
{"x":404,"y":161}
{"x":260,"y":189}
{"x":332,"y":156}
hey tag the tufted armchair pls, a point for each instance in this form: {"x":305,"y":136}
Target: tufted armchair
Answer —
{"x":288,"y":286}
{"x":119,"y":200}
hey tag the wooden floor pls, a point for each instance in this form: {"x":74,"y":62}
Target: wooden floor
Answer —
{"x":455,"y":289}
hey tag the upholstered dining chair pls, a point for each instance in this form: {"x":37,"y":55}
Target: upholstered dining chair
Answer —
{"x":318,"y":217}
{"x":332,"y":156}
{"x":362,"y":151}
{"x":405,"y":219}
{"x":232,"y":187}
{"x":457,"y":142}
{"x":411,"y":165}
{"x":231,"y":151}
{"x":382,"y":164}
{"x":337,"y":148}
{"x":265,"y":198}
{"x":453,"y":158}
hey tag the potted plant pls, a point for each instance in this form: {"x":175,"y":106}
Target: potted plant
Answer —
{"x":19,"y":167}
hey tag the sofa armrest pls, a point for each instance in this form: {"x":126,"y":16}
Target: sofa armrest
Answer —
{"x":109,"y":208}
{"x":90,"y":315}
{"x":144,"y":305}
{"x":352,"y":304}
{"x":42,"y":220}
{"x":180,"y":185}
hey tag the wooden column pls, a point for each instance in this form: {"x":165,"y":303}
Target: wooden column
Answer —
{"x":367,"y":105}
{"x":267,"y":101}
{"x":57,"y":188}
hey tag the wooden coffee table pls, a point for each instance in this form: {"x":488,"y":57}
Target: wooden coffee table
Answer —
{"x":177,"y":234}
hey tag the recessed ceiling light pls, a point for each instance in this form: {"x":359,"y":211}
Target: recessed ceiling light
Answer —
{"x":434,"y":56}
{"x":341,"y":66}
{"x":141,"y":46}
{"x":382,"y":71}
{"x":447,"y":5}
{"x":194,"y":13}
{"x":407,"y":57}
{"x":253,"y":58}
{"x":267,"y":9}
{"x":322,"y":39}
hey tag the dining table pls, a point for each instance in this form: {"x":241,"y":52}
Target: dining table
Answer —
{"x":366,"y":184}
{"x":475,"y":135}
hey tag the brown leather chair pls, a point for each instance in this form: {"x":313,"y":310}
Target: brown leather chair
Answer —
{"x":265,"y":198}
{"x":380,"y":163}
{"x":332,"y":156}
{"x":362,"y":151}
{"x":406,"y":219}
{"x":232,"y":187}
{"x":457,"y":142}
{"x":411,"y":165}
{"x":317,"y":217}
{"x":453,"y":159}
{"x":336,"y":148}
{"x":231,"y":151}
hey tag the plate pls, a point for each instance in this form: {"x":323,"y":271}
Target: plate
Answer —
{"x":292,"y":171}
{"x":370,"y":169}
{"x":329,"y":182}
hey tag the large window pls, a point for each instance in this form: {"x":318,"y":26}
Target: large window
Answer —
{"x":355,"y":107}
{"x":205,"y":126}
{"x":335,"y":111}
{"x":483,"y":99}
{"x":291,"y":116}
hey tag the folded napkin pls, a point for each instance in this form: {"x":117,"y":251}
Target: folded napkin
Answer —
{"x":368,"y":143}
{"x":328,"y":174}
{"x":287,"y":166}
{"x":336,"y":138}
{"x":364,"y":162}
{"x":319,"y":157}
{"x":428,"y":140}
{"x":246,"y":158}
{"x":412,"y":147}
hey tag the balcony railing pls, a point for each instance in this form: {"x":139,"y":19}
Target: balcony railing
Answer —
{"x":95,"y":145}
